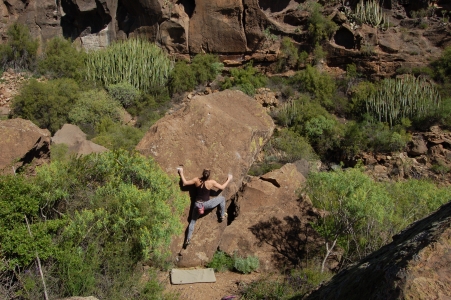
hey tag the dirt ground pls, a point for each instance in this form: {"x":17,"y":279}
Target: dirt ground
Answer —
{"x":227,"y":284}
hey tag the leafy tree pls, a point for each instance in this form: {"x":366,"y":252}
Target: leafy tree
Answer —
{"x":293,"y":145}
{"x":289,"y":55}
{"x":47,"y":104}
{"x":61,"y":59}
{"x":356,"y":207}
{"x":20,"y":50}
{"x":206,"y":67}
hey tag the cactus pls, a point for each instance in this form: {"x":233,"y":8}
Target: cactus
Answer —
{"x":137,"y":62}
{"x":370,"y":13}
{"x":400,"y":98}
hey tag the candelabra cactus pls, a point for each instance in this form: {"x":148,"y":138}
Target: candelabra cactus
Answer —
{"x":142,"y":64}
{"x":370,"y":12}
{"x":407,"y":97}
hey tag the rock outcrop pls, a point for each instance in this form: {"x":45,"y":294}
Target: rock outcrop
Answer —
{"x":222,"y":131}
{"x":272,"y":221}
{"x":427,"y":156}
{"x":76,"y":141}
{"x":416,"y":265}
{"x":22,"y":142}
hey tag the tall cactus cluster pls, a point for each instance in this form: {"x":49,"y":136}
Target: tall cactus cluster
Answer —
{"x":407,"y":97}
{"x":140,"y":63}
{"x":370,"y":12}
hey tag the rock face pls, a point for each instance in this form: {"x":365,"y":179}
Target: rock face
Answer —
{"x":76,"y":141}
{"x":416,"y":265}
{"x":427,"y":156}
{"x":22,"y":141}
{"x":272,"y":221}
{"x":223,"y":132}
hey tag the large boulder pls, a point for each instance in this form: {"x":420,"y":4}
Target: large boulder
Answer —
{"x":223,"y":132}
{"x":76,"y":141}
{"x":19,"y":138}
{"x":269,"y":214}
{"x":416,"y":265}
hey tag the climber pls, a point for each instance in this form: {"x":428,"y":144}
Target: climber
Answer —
{"x":203,"y":201}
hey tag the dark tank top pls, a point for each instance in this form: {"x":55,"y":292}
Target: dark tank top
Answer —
{"x":203,"y":194}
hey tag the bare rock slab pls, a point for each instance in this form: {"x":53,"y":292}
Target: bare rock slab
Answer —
{"x":223,"y":132}
{"x":19,"y":137}
{"x":76,"y":141}
{"x":272,"y":222}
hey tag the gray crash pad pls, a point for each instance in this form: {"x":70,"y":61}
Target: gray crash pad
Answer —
{"x":180,"y":276}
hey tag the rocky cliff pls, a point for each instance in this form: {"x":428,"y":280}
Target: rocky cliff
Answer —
{"x":239,"y":30}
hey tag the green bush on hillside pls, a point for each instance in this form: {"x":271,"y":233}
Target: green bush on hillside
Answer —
{"x":92,"y":106}
{"x":203,"y":68}
{"x":246,"y":79}
{"x":20,"y":51}
{"x":293,"y":146}
{"x":320,"y":27}
{"x":115,"y":136}
{"x":93,"y":220}
{"x":320,"y":85}
{"x":61,"y":59}
{"x":47,"y":104}
{"x":288,"y":57}
{"x":123,"y":92}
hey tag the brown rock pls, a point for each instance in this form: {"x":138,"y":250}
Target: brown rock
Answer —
{"x":222,"y":131}
{"x":76,"y":140}
{"x":418,"y":146}
{"x":217,"y":26}
{"x":416,"y":265}
{"x":19,"y":137}
{"x":270,"y":223}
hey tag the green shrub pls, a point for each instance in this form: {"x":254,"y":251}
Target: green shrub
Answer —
{"x":182,"y":78}
{"x":294,"y":285}
{"x":359,"y":93}
{"x":442,"y":66}
{"x":61,"y":59}
{"x":440,"y":168}
{"x":92,"y":106}
{"x":20,"y":50}
{"x":246,"y":79}
{"x":206,"y":67}
{"x":370,"y":136}
{"x":221,"y":262}
{"x":320,"y":27}
{"x":47,"y":104}
{"x":320,"y":85}
{"x":293,"y":146}
{"x":246,"y":265}
{"x":21,"y":216}
{"x":117,"y":136}
{"x":123,"y":92}
{"x":142,"y":64}
{"x":288,"y":56}
{"x":185,"y":77}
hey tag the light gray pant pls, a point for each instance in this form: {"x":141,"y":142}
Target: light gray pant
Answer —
{"x":210,"y":204}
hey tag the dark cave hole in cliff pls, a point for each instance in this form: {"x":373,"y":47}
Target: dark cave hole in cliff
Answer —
{"x":343,"y":37}
{"x":189,"y":6}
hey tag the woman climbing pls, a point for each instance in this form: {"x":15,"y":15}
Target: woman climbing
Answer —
{"x":203,"y":201}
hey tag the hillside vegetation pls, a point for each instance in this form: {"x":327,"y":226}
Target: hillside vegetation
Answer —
{"x":86,"y":226}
